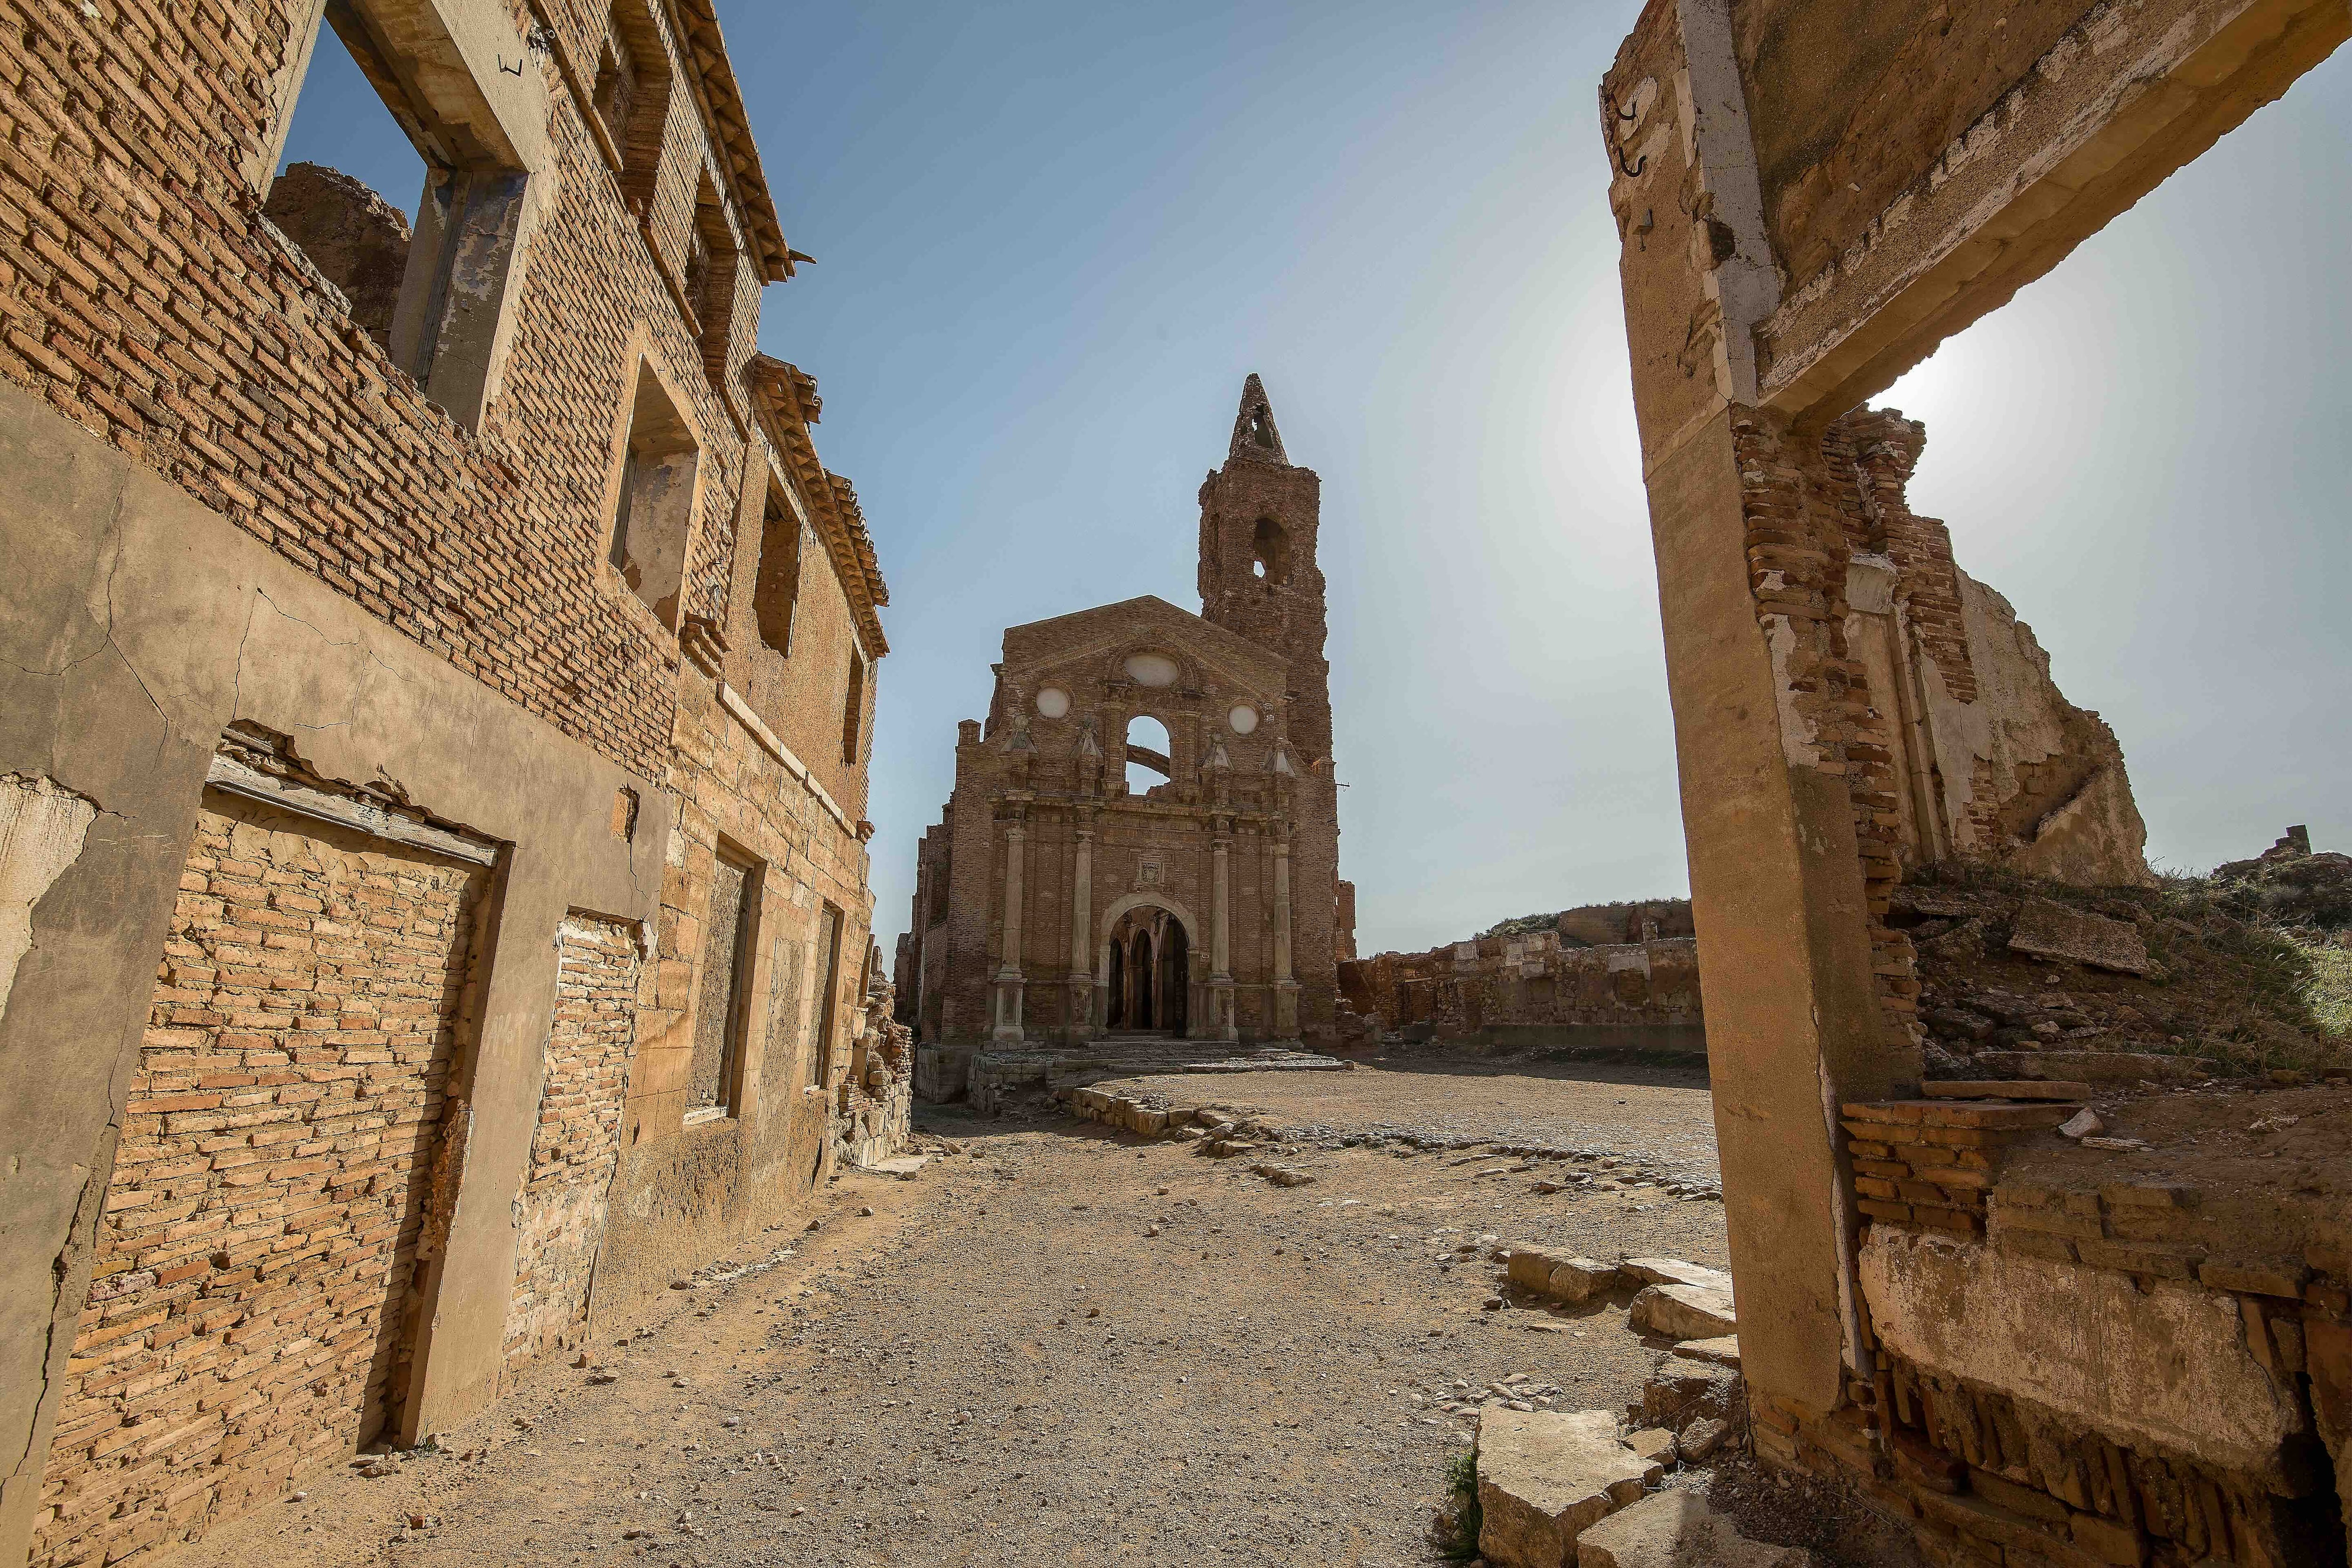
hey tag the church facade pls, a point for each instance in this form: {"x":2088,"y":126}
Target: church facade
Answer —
{"x":1054,"y":904}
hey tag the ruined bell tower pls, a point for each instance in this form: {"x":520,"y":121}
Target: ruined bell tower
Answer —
{"x":1260,"y":518}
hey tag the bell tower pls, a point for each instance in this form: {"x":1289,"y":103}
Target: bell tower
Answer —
{"x":1259,"y":518}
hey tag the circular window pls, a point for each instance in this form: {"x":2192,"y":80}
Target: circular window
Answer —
{"x":1053,"y":702}
{"x":1151,"y":670}
{"x":1244,"y":718}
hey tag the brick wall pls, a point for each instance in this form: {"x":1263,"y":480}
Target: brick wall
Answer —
{"x":559,"y":1222}
{"x":142,"y":294}
{"x":245,"y":1319}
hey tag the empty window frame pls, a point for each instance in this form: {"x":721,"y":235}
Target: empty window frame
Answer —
{"x":828,"y":961}
{"x":853,"y":706}
{"x":776,"y":589}
{"x":714,"y":1075}
{"x":712,"y":260}
{"x":653,"y":516}
{"x":632,"y":97}
{"x":436,"y":298}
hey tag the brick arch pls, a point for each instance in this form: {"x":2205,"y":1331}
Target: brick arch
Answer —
{"x":1127,"y":901}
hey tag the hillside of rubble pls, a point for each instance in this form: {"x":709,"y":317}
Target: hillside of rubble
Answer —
{"x":2239,"y":974}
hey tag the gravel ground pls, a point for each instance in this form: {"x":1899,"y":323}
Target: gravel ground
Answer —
{"x":1063,"y":1346}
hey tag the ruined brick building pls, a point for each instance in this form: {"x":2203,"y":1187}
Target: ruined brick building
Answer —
{"x":1051,"y":903}
{"x":2029,"y":1351}
{"x":437,"y":677}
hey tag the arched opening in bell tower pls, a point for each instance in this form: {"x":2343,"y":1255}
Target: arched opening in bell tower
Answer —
{"x":1270,"y":552}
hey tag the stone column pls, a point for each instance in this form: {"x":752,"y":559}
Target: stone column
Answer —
{"x":1221,"y":963}
{"x":1008,"y":974}
{"x":1285,"y":987}
{"x":1082,"y":944}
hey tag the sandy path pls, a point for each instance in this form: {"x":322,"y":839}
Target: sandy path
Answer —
{"x":1002,"y":1365}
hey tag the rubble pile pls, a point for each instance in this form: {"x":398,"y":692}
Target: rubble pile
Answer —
{"x":2248,"y":970}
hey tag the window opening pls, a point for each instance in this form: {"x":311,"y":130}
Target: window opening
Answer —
{"x":1270,"y":547}
{"x":728,"y":934}
{"x":853,"y":708}
{"x":711,"y":262}
{"x":828,"y":954}
{"x":346,"y":187}
{"x":429,"y":282}
{"x":776,"y":590}
{"x":632,"y":97}
{"x":655,"y":512}
{"x":1148,"y":754}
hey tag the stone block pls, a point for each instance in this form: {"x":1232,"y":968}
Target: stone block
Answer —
{"x":1579,"y":1279}
{"x":2076,"y":1341}
{"x":1654,"y":1444}
{"x":1685,"y":1312}
{"x":1675,"y":1272}
{"x":1531,"y":1267}
{"x":1544,"y":1478}
{"x":1724,"y":1352}
{"x":1678,"y":1530}
{"x":2047,"y":929}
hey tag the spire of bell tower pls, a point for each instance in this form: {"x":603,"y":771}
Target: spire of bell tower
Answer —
{"x":1256,"y":439}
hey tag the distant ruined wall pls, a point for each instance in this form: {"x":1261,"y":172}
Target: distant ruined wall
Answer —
{"x":1533,"y":981}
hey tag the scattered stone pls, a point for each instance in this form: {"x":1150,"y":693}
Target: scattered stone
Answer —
{"x":1545,"y":1477}
{"x":1685,"y":1312}
{"x":1678,"y":1530}
{"x":1282,"y":1175}
{"x":1654,"y":1444}
{"x":2086,"y":1068}
{"x":2082,"y":1124}
{"x":2045,"y":928}
{"x":2116,"y":1145}
{"x":867,"y":1213}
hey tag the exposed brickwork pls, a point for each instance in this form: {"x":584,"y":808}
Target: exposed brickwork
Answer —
{"x":245,"y":1319}
{"x":1803,"y":513}
{"x":144,"y":297}
{"x":560,"y":1221}
{"x":1930,"y":1163}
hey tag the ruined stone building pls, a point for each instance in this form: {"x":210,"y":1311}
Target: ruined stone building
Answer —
{"x":1635,"y":991}
{"x":2030,"y":1351}
{"x":1051,"y":904}
{"x":436,"y":679}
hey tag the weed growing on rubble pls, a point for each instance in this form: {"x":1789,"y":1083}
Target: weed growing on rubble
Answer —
{"x":1455,"y":1532}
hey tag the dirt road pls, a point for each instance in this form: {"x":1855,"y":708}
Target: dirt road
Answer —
{"x":1060,"y":1346}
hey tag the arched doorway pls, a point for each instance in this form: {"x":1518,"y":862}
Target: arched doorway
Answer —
{"x":1147,"y":971}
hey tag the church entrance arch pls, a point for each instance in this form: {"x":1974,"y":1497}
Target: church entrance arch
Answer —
{"x":1143,"y":968}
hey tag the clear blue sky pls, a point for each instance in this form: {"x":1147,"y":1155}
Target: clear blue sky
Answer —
{"x":1052,"y":238}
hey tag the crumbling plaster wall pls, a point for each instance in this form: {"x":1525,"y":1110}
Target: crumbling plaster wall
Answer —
{"x":138,"y":625}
